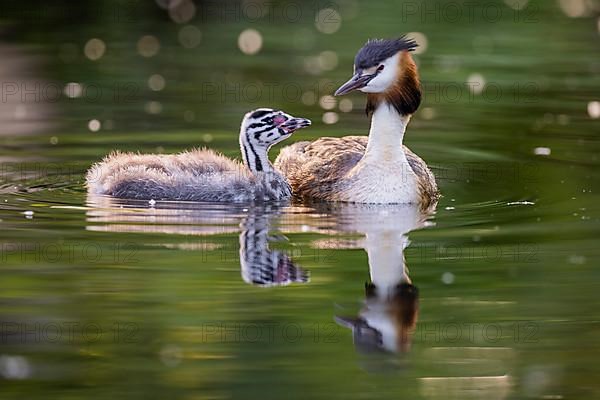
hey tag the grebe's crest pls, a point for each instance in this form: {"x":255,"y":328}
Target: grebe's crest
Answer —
{"x":377,"y":50}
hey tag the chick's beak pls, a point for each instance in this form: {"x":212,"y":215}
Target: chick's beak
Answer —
{"x":356,"y":82}
{"x":294,"y":124}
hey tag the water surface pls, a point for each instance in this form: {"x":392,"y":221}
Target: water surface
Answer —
{"x":493,"y":295}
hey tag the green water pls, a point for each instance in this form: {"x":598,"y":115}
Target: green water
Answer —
{"x":103,"y":298}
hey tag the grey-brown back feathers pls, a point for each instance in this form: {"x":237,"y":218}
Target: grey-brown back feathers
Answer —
{"x":203,"y":175}
{"x":196,"y":175}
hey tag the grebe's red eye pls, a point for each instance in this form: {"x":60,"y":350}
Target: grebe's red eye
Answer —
{"x":278,"y":120}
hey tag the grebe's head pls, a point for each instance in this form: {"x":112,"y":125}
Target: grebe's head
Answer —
{"x":265,"y":127}
{"x":385,"y":67}
{"x":377,"y":65}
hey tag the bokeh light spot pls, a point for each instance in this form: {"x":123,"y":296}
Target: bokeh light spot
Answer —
{"x":148,"y":46}
{"x":250,"y":41}
{"x":328,"y":60}
{"x":327,"y":102}
{"x":476,"y":83}
{"x":94,"y":125}
{"x":182,"y":12}
{"x":73,"y":90}
{"x":328,"y":21}
{"x":594,"y":109}
{"x":330,"y":117}
{"x":156,"y":82}
{"x":346,"y":105}
{"x":94,"y":49}
{"x":153,"y":107}
{"x":189,"y":36}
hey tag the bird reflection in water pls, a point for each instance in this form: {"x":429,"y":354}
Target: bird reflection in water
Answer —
{"x":260,"y":265}
{"x":390,"y":309}
{"x":391,"y":306}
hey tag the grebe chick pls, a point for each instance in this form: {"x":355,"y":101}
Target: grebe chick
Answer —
{"x":202,"y":174}
{"x":377,"y":168}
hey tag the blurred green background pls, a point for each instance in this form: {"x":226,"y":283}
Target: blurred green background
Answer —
{"x":509,"y":123}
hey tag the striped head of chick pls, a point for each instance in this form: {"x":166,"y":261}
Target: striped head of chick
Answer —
{"x":265,"y":127}
{"x":260,"y":130}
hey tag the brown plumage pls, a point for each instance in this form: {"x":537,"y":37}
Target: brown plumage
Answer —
{"x":373,"y":169}
{"x":404,"y":94}
{"x":314,"y":169}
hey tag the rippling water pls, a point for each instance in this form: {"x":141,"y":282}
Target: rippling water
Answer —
{"x":494,"y":294}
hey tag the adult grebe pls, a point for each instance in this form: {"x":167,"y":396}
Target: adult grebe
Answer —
{"x":377,"y":168}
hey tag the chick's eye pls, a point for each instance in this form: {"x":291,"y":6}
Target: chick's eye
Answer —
{"x":280,"y":119}
{"x":380,"y":68}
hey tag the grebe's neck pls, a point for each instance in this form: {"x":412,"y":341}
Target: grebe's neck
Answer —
{"x":386,"y":135}
{"x":255,"y":156}
{"x":391,"y":111}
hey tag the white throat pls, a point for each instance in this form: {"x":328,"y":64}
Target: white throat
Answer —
{"x":383,"y":175}
{"x":386,"y":135}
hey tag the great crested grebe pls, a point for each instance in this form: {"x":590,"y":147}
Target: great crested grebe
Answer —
{"x":377,"y":168}
{"x":203,"y":175}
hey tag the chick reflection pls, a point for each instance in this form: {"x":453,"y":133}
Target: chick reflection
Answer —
{"x":391,"y":306}
{"x":259,"y":264}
